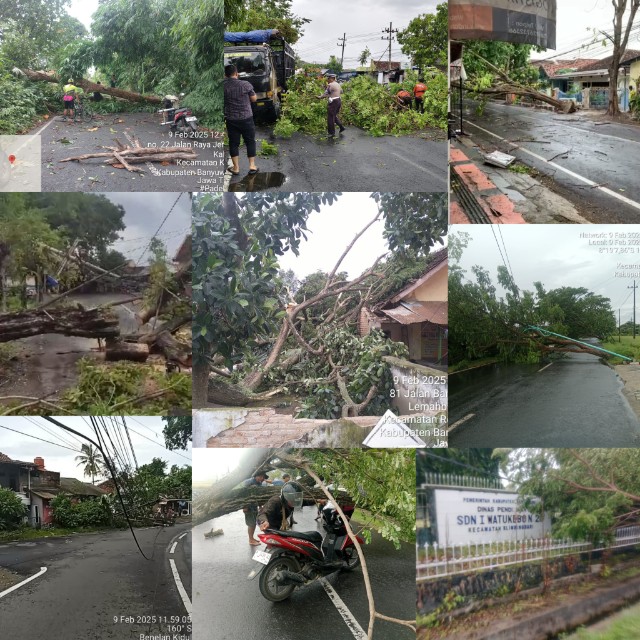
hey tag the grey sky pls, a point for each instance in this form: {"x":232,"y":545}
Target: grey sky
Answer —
{"x":362,"y":20}
{"x":56,"y":458}
{"x":556,"y":256}
{"x":576,"y":20}
{"x":83,"y":10}
{"x":144,"y":213}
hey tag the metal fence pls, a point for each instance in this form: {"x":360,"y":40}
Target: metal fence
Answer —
{"x":435,"y":561}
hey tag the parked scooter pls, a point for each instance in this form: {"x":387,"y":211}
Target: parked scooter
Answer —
{"x":295,"y":558}
{"x":178,"y":118}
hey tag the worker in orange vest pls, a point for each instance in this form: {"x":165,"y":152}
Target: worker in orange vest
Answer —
{"x":403,"y":98}
{"x":418,"y":93}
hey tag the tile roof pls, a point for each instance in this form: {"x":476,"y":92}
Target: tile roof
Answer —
{"x":415,"y":311}
{"x":629,"y":55}
{"x":437,"y":259}
{"x":552,"y":68}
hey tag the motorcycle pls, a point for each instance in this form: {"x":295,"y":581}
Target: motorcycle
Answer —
{"x":178,"y":118}
{"x":295,"y":558}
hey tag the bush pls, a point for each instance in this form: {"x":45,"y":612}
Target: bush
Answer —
{"x":89,"y":513}
{"x":12,"y":511}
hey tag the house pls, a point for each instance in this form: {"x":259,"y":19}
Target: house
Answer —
{"x":386,"y":71}
{"x":37,"y":487}
{"x":556,"y":73}
{"x":416,"y":315}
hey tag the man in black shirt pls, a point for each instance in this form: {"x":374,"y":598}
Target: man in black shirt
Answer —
{"x":238,"y":96}
{"x":276,"y":512}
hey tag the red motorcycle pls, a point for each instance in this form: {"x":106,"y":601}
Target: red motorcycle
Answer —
{"x":295,"y":558}
{"x":178,"y":119}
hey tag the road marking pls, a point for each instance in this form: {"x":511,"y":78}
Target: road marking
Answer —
{"x":181,"y":590}
{"x":17,"y":586}
{"x":545,"y":367}
{"x":182,"y":535}
{"x":173,"y":548}
{"x":591,"y":183}
{"x":433,"y":174}
{"x":355,"y":628}
{"x":451,"y":427}
{"x":542,"y":123}
{"x":37,"y":133}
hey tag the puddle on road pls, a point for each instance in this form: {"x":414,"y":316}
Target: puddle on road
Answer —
{"x":258,"y":181}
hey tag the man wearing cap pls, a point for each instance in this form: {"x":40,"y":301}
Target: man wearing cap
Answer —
{"x":70,"y":94}
{"x":251,"y":511}
{"x":332,"y":93}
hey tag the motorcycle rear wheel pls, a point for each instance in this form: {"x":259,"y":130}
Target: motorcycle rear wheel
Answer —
{"x":351,"y":558}
{"x":269,"y":586}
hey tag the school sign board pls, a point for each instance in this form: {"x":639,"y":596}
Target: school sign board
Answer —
{"x":518,"y":21}
{"x":470,"y":516}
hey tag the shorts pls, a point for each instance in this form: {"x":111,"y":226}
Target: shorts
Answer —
{"x":69,"y":104}
{"x":250,"y":516}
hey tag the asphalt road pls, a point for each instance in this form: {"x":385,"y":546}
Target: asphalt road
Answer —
{"x":94,"y":582}
{"x":67,"y":139}
{"x":575,"y":402}
{"x":46,"y":364}
{"x":571,"y":148}
{"x":227,"y":606}
{"x":353,"y":161}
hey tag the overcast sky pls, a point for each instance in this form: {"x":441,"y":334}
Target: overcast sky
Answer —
{"x":144,"y":213}
{"x":146,"y":438}
{"x":556,"y":256}
{"x":576,"y":20}
{"x":211,"y":464}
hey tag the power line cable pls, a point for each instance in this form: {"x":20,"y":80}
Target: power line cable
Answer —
{"x":36,"y":438}
{"x":160,"y":227}
{"x":159,"y":445}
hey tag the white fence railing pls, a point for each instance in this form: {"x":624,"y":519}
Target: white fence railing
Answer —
{"x":435,"y":561}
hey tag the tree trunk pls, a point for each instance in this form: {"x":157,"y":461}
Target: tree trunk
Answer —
{"x":226,"y":394}
{"x":86,"y":323}
{"x":119,"y":350}
{"x":173,"y":350}
{"x":200,"y":377}
{"x":87,"y":85}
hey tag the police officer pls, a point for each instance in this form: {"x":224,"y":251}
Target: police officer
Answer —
{"x":332,"y":93}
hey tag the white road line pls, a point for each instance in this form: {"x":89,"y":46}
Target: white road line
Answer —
{"x":182,"y":535}
{"x":591,"y":183}
{"x":173,"y":548}
{"x":433,"y":174}
{"x":545,"y":367}
{"x":355,"y":628}
{"x":17,"y":586}
{"x":181,"y":590}
{"x":451,"y":427}
{"x":37,"y":133}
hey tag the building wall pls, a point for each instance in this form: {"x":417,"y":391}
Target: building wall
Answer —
{"x":635,"y":73}
{"x":435,"y":289}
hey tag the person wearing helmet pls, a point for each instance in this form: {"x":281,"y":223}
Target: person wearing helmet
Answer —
{"x":70,"y":92}
{"x":276,"y":512}
{"x":333,"y":93}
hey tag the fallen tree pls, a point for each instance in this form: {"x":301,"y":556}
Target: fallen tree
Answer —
{"x":87,"y":85}
{"x":86,"y":323}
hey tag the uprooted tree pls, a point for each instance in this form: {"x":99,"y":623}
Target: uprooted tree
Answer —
{"x":379,"y":483}
{"x":258,"y":339}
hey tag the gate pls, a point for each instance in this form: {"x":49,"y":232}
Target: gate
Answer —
{"x":599,"y":98}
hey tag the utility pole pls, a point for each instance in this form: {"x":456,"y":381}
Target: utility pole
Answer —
{"x":634,"y":287}
{"x":343,"y":40}
{"x":390,"y":38}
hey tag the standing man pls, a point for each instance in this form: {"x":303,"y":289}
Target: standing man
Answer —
{"x":333,"y":93}
{"x":251,"y":511}
{"x":238,"y":96}
{"x":70,"y":91}
{"x":419,"y":90}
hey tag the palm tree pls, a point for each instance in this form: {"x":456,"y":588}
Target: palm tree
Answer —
{"x":92,"y":460}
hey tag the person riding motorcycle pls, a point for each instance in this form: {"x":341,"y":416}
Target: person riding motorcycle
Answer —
{"x":277,"y":510}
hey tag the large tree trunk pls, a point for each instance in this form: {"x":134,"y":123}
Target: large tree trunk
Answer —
{"x":173,"y":350}
{"x":86,"y":323}
{"x":119,"y":350}
{"x":87,"y":85}
{"x":200,"y":377}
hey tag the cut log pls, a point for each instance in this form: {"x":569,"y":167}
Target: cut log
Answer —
{"x":86,"y":323}
{"x":87,"y":85}
{"x":173,"y":350}
{"x":124,"y":156}
{"x":226,"y":394}
{"x":120,"y":350}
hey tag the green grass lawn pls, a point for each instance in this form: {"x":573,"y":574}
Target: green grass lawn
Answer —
{"x":625,"y":626}
{"x":626,"y":347}
{"x":28,"y":533}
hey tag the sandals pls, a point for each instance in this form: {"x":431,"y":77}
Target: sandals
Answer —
{"x":253,"y":171}
{"x":233,"y":173}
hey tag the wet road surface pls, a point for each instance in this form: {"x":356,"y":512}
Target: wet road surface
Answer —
{"x":47,"y":363}
{"x":227,"y":606}
{"x":67,"y":139}
{"x":606,"y":154}
{"x":353,"y":161}
{"x":574,"y":402}
{"x":92,"y":579}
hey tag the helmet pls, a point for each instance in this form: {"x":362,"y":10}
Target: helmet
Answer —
{"x":292,"y":494}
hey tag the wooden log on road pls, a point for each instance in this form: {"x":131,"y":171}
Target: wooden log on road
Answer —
{"x":85,"y":323}
{"x":120,"y":350}
{"x":172,"y":349}
{"x":87,"y":85}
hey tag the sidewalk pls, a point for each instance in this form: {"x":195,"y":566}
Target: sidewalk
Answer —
{"x":486,"y":194}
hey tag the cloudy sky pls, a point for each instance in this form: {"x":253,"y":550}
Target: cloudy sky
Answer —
{"x":576,"y":20}
{"x":144,"y":213}
{"x":211,"y":464}
{"x":557,"y":256}
{"x":146,"y":438}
